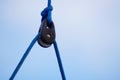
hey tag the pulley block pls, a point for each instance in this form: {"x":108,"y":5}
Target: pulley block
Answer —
{"x":47,"y":34}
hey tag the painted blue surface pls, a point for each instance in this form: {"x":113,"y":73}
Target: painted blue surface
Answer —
{"x":88,"y":36}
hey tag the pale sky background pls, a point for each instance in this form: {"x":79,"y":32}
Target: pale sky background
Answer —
{"x":88,"y":36}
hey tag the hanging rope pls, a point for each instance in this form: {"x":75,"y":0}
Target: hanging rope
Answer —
{"x":46,"y":14}
{"x":24,"y":57}
{"x":59,"y":61}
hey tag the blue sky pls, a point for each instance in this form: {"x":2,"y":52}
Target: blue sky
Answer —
{"x":88,"y":36}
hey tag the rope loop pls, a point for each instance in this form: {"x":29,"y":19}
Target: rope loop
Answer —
{"x":46,"y":13}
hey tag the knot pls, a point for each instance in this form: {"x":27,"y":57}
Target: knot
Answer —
{"x":46,"y":13}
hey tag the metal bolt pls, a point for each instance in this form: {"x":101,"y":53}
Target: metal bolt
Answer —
{"x":48,"y":35}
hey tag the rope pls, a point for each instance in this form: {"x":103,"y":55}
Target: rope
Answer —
{"x":24,"y":57}
{"x":59,"y":61}
{"x":46,"y":13}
